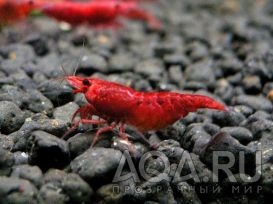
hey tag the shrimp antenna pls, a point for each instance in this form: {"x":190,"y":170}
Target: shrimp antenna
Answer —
{"x":64,"y":72}
{"x":79,"y":60}
{"x":62,"y":67}
{"x":77,"y":66}
{"x":61,"y":80}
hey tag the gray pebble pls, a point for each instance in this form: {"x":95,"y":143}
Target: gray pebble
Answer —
{"x":65,"y":112}
{"x":30,"y":99}
{"x":107,"y":195}
{"x":168,"y":144}
{"x":211,"y":128}
{"x":14,"y":94}
{"x":252,"y":84}
{"x":23,"y":81}
{"x":238,"y":91}
{"x":11,"y":117}
{"x":199,"y":145}
{"x":96,"y":163}
{"x":37,"y":102}
{"x":176,"y":60}
{"x":258,"y":123}
{"x":136,"y":149}
{"x":245,"y":110}
{"x":195,"y":86}
{"x":224,"y":90}
{"x":6,"y":162}
{"x":201,"y":174}
{"x":142,"y":50}
{"x":71,"y":185}
{"x":197,"y":50}
{"x":242,"y":134}
{"x":200,"y":72}
{"x":239,"y":181}
{"x":256,"y":66}
{"x":5,"y":80}
{"x":174,"y":131}
{"x":154,"y":140}
{"x":11,"y":66}
{"x":155,"y":166}
{"x":224,"y":142}
{"x":77,"y":189}
{"x":48,"y":151}
{"x":14,"y":190}
{"x":186,"y":195}
{"x":231,"y":65}
{"x":173,"y":153}
{"x":79,"y":39}
{"x":6,"y":142}
{"x":227,"y":118}
{"x":38,"y":43}
{"x":176,"y":75}
{"x":37,"y":122}
{"x":258,"y":115}
{"x":49,"y":65}
{"x":31,"y":173}
{"x":267,"y":178}
{"x":79,"y":143}
{"x":235,"y":79}
{"x":243,"y":199}
{"x":21,"y":158}
{"x":57,"y":92}
{"x":103,"y":43}
{"x":54,"y":176}
{"x":192,"y":134}
{"x":151,"y":67}
{"x":192,"y":117}
{"x":142,"y":85}
{"x":255,"y":102}
{"x":164,"y":195}
{"x":267,"y":87}
{"x":49,"y":193}
{"x":93,"y":62}
{"x":264,"y":144}
{"x":163,"y":49}
{"x":21,"y":53}
{"x":121,"y":62}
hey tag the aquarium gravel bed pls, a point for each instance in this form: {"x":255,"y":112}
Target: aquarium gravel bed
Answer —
{"x":222,"y":49}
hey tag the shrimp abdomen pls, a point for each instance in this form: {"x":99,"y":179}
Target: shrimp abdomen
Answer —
{"x":156,"y":110}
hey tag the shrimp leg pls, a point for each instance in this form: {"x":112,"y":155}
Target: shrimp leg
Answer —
{"x":102,"y":130}
{"x":86,"y":112}
{"x":122,"y":132}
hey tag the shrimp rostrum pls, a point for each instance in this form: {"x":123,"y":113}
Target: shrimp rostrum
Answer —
{"x":117,"y":105}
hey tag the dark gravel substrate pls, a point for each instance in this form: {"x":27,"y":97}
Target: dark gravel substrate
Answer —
{"x":219,"y":48}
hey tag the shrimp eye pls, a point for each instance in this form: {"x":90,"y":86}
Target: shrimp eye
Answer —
{"x":86,"y":82}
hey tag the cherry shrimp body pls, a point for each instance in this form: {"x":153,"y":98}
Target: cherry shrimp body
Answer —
{"x":103,"y":13}
{"x":12,"y":11}
{"x":97,"y":13}
{"x":117,"y":105}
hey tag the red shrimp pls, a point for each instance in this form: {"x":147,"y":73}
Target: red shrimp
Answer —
{"x":12,"y":11}
{"x":96,"y":13}
{"x":118,"y":105}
